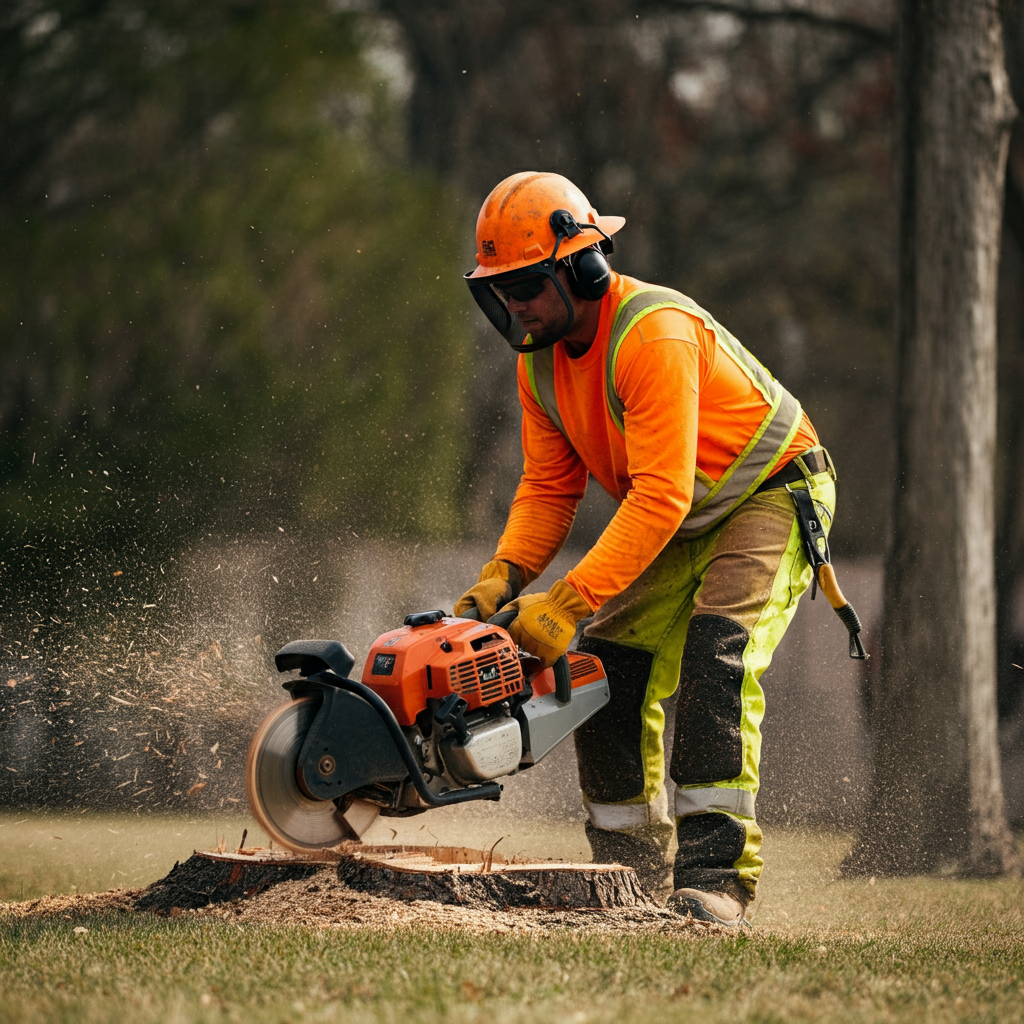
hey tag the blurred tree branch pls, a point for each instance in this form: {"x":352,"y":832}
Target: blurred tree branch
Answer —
{"x":64,"y":61}
{"x":42,"y":92}
{"x":877,"y":35}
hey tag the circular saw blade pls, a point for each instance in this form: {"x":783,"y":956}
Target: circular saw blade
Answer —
{"x":288,"y":816}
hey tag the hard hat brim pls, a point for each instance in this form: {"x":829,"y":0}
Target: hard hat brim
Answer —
{"x":607,"y":225}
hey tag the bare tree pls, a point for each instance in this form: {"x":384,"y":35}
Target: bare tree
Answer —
{"x":937,"y":798}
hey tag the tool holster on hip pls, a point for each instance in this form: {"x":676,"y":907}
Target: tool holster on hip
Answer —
{"x":815,"y":543}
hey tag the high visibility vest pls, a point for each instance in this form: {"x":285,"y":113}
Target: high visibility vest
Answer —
{"x":713,"y":500}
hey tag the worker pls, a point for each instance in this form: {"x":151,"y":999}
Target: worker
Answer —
{"x":697,"y":575}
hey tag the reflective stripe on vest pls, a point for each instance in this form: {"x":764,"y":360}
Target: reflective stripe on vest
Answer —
{"x":712,"y":500}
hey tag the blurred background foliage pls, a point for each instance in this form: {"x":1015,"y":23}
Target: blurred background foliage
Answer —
{"x":749,"y":147}
{"x":226,"y":304}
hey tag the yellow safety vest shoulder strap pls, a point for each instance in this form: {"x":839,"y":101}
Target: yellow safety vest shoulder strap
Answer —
{"x":712,"y":500}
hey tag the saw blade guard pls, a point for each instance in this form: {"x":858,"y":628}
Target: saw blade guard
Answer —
{"x":291,"y":817}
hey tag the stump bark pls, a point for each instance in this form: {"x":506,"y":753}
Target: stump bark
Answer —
{"x":476,"y":878}
{"x":221,"y":877}
{"x":451,"y":875}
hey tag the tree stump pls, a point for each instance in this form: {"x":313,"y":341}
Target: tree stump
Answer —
{"x":443,"y":874}
{"x":457,"y":875}
{"x":216,"y":877}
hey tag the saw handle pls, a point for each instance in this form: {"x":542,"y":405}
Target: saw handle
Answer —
{"x":504,"y":619}
{"x":563,"y":680}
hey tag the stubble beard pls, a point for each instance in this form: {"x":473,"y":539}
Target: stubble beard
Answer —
{"x":549,"y":335}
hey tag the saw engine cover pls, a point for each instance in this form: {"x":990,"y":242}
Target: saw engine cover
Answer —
{"x":444,"y":707}
{"x":413,"y":664}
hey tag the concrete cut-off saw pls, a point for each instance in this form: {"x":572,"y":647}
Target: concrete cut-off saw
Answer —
{"x":445,"y":706}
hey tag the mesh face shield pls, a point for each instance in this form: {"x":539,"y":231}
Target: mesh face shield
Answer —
{"x":486,"y":292}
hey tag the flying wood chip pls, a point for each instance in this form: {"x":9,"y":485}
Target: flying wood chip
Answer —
{"x":197,"y":788}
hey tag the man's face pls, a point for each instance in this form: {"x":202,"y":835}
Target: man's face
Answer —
{"x":541,"y":312}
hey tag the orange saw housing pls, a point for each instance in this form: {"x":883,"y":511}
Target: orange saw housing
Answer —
{"x":479,"y":661}
{"x":411,"y":664}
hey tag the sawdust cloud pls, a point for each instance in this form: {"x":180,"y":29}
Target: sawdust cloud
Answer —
{"x":136,"y":683}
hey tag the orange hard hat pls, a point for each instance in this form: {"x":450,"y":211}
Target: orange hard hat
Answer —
{"x":514,"y":229}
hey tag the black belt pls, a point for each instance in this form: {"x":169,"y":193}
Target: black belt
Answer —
{"x":814,"y":460}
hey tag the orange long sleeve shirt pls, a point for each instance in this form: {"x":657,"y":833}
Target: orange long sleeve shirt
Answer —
{"x":687,"y":405}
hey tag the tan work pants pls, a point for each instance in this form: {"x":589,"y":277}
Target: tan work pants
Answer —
{"x":705,"y":617}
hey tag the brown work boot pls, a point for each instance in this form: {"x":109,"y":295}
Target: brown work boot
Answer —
{"x":646,"y":849}
{"x":717,"y":907}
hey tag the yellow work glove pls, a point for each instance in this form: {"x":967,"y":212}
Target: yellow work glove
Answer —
{"x":546,"y":623}
{"x":497,"y":584}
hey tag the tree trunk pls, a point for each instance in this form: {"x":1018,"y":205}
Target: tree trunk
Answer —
{"x":937,"y":801}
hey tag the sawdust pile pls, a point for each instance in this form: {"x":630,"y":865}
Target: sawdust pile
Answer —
{"x":319,"y":899}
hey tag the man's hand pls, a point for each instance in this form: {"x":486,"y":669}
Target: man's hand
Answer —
{"x":497,"y":584}
{"x":546,"y":623}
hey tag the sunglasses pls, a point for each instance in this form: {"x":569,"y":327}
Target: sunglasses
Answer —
{"x":524,"y":290}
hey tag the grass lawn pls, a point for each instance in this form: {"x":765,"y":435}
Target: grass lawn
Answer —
{"x":931,"y":950}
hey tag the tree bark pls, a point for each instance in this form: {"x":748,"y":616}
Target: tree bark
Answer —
{"x":415,"y":874}
{"x":207,"y":878}
{"x":937,"y":801}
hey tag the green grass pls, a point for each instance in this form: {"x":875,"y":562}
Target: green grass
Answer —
{"x":931,"y":950}
{"x":148,"y":969}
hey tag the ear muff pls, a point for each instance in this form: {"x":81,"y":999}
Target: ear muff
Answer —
{"x":589,"y":274}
